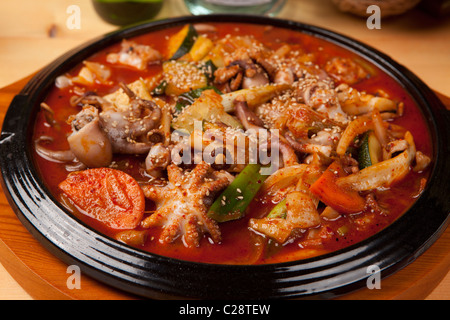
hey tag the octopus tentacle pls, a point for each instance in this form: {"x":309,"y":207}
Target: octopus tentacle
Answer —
{"x":198,"y":176}
{"x":157,"y":194}
{"x":156,"y":219}
{"x":170,"y":232}
{"x":213,"y":228}
{"x":191,"y":236}
{"x":174,"y":173}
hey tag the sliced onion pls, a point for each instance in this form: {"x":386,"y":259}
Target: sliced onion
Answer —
{"x":364,"y":107}
{"x":276,"y":228}
{"x":379,"y":128}
{"x":283,"y":178}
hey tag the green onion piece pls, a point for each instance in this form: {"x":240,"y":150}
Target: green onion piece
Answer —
{"x":234,"y":200}
{"x":369,"y":152}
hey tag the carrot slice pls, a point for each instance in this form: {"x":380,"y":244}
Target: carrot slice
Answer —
{"x":108,"y":195}
{"x":342,"y":199}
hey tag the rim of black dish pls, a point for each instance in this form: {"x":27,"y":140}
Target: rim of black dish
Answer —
{"x":149,"y":275}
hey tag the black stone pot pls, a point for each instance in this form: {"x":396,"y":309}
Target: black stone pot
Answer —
{"x":152,"y":276}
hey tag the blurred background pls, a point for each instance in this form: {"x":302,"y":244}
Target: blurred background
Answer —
{"x":33,"y":33}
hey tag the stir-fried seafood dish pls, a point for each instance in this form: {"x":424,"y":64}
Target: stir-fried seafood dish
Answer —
{"x":232,"y":144}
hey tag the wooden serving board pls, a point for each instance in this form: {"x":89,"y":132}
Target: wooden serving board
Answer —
{"x":44,"y":276}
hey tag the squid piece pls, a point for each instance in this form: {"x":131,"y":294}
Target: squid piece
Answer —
{"x":324,"y":145}
{"x":297,"y":120}
{"x":248,"y":119}
{"x":320,"y":96}
{"x":354,"y":128}
{"x":241,"y":74}
{"x":251,"y":121}
{"x":355,"y":103}
{"x":380,"y":128}
{"x":346,"y":70}
{"x":305,"y":130}
{"x":384,"y":173}
{"x":88,"y":141}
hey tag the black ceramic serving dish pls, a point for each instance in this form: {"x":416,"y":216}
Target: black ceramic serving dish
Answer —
{"x":159,"y":277}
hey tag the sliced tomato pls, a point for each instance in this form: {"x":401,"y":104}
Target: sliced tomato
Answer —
{"x":108,"y":195}
{"x":344,"y":200}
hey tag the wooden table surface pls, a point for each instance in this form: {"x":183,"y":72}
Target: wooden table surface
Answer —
{"x":33,"y":33}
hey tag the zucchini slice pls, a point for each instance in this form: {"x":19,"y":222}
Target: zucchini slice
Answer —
{"x":370,"y":150}
{"x":182,"y":42}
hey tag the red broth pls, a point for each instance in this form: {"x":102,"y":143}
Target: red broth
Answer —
{"x":240,"y":245}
